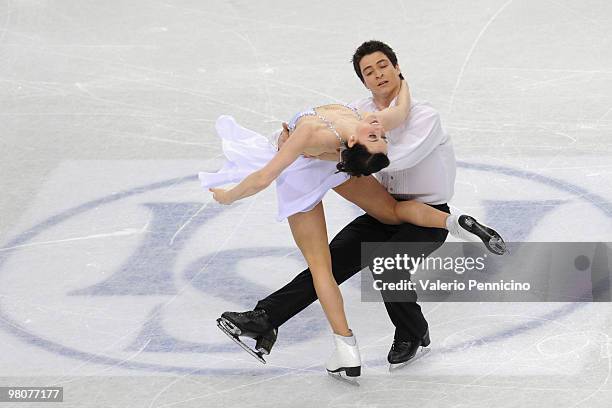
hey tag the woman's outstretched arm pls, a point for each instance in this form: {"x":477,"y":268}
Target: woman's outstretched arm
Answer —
{"x":260,"y":179}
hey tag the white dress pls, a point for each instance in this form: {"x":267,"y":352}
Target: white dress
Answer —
{"x":299,"y":188}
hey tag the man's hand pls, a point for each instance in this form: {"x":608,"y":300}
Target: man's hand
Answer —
{"x":282,"y":138}
{"x":221,"y":196}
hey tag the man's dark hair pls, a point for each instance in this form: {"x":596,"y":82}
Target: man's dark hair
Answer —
{"x":370,"y":47}
{"x":358,"y":161}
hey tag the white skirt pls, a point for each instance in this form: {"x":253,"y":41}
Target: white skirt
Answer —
{"x":299,"y":188}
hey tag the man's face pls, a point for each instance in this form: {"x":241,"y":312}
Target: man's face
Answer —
{"x":379,"y":75}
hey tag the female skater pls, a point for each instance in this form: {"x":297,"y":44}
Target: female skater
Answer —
{"x":358,"y":142}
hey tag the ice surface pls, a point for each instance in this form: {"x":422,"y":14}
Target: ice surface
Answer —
{"x":114,"y":263}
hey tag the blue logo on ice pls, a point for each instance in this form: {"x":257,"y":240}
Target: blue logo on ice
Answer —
{"x":149,"y":270}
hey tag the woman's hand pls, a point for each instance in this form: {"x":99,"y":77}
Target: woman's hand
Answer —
{"x":221,"y":196}
{"x":262,"y":178}
{"x":395,"y":115}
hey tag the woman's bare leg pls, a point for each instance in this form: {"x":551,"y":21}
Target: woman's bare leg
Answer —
{"x":423,"y":215}
{"x":373,"y":198}
{"x":310,"y":234}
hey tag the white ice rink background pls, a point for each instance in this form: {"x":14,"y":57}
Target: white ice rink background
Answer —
{"x":114,"y":263}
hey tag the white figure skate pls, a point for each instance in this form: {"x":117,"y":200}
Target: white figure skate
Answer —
{"x":346,"y":359}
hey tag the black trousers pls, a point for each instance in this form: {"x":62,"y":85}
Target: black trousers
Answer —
{"x":345,"y":250}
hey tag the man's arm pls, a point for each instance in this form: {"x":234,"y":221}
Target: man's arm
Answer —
{"x":422,"y":136}
{"x":284,"y":135}
{"x":335,"y":157}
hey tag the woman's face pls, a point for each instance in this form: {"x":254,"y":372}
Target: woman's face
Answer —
{"x":370,"y":133}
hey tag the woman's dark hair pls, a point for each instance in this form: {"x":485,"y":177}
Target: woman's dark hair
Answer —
{"x":358,"y":161}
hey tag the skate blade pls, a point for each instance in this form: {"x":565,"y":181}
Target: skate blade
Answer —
{"x":491,"y":238}
{"x":235,"y":339}
{"x":420,"y":354}
{"x":497,"y":246}
{"x":340,"y":376}
{"x":229,"y":326}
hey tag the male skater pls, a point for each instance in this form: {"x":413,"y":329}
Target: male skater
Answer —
{"x":422,"y":168}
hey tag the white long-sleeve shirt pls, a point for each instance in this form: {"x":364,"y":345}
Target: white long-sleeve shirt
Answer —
{"x":423,"y":166}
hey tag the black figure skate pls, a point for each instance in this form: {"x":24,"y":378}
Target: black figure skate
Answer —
{"x":253,"y":324}
{"x":403,"y":353}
